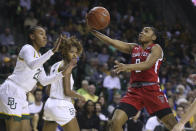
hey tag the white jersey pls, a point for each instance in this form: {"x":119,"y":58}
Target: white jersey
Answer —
{"x":57,"y":90}
{"x":29,"y":69}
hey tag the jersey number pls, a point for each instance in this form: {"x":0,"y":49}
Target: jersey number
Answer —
{"x":136,"y":62}
{"x":37,"y":74}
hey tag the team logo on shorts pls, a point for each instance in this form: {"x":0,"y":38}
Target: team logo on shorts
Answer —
{"x":72,"y":111}
{"x":11,"y":103}
{"x":161,"y":98}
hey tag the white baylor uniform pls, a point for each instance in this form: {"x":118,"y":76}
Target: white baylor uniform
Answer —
{"x":58,"y":107}
{"x":27,"y":72}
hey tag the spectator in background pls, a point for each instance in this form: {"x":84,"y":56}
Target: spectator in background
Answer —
{"x":36,"y":107}
{"x":181,"y":97}
{"x":111,"y":83}
{"x":30,"y":21}
{"x":84,"y":88}
{"x":79,"y":104}
{"x":103,"y":105}
{"x":172,"y":104}
{"x":91,"y":70}
{"x":35,"y":110}
{"x":6,"y":38}
{"x":151,"y":123}
{"x":4,"y":52}
{"x":6,"y":68}
{"x":103,"y":118}
{"x":98,"y":76}
{"x":25,"y":4}
{"x":91,"y":51}
{"x":91,"y":94}
{"x":113,"y":105}
{"x":88,"y":119}
{"x":181,"y":45}
{"x":179,"y":112}
{"x":103,"y":56}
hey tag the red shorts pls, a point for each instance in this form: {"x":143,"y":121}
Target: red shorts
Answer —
{"x":150,"y":97}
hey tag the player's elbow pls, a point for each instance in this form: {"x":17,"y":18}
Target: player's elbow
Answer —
{"x":31,"y":66}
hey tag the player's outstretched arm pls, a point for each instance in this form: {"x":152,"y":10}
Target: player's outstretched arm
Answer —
{"x":46,"y":80}
{"x":187,"y":116}
{"x":120,"y":45}
{"x":27,"y":54}
{"x":156,"y":53}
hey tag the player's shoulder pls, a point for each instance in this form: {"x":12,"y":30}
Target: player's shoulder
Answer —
{"x":56,"y":65}
{"x":27,"y":47}
{"x":156,"y":46}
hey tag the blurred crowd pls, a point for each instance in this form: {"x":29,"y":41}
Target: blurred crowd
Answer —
{"x":93,"y":76}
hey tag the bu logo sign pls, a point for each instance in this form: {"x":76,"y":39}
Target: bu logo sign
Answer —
{"x":11,"y":103}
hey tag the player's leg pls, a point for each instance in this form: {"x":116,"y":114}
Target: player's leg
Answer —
{"x":157,"y":104}
{"x":25,"y":125}
{"x":169,"y":121}
{"x":49,"y":126}
{"x":121,"y":115}
{"x":12,"y":124}
{"x":118,"y":120}
{"x":10,"y":106}
{"x":2,"y":125}
{"x":72,"y":125}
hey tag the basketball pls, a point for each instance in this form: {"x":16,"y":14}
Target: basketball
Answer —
{"x":98,"y":18}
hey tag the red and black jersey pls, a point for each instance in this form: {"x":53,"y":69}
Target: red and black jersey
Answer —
{"x":138,"y":55}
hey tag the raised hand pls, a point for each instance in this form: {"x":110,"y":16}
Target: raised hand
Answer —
{"x":57,"y":43}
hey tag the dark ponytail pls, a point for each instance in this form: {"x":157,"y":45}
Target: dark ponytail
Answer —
{"x":160,"y":38}
{"x":31,"y":31}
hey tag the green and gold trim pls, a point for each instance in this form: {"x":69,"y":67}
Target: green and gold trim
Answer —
{"x":15,"y":117}
{"x":20,"y":58}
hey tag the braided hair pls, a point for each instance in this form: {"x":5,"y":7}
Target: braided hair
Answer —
{"x":160,"y":39}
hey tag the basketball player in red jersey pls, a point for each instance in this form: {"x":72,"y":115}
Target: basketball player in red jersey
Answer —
{"x":145,"y":89}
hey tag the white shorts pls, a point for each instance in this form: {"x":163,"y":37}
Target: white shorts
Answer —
{"x":13,"y":101}
{"x":60,"y":111}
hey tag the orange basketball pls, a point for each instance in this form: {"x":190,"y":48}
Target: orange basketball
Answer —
{"x":98,"y":18}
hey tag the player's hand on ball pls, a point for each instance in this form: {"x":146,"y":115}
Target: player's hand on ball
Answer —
{"x":119,"y":67}
{"x":57,"y":43}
